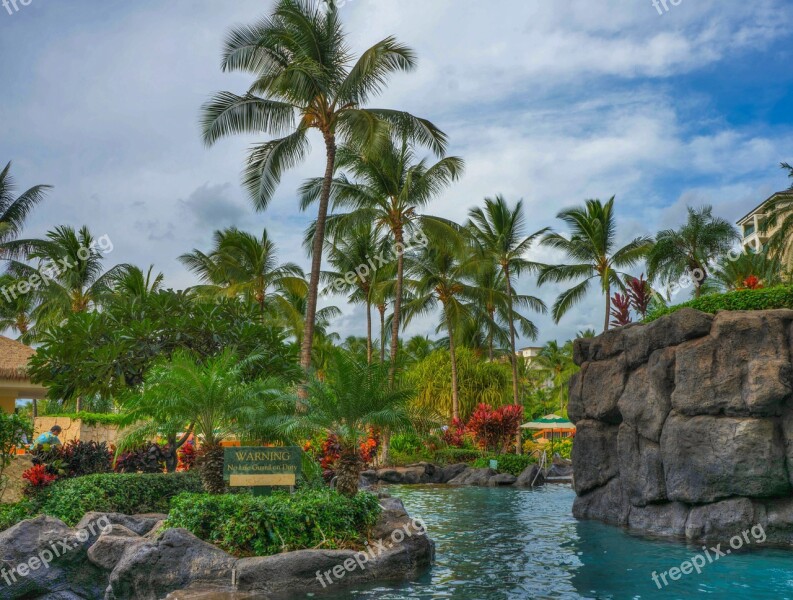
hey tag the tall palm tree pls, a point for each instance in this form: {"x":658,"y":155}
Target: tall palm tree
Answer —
{"x":440,"y":276}
{"x":390,"y":187}
{"x":241,"y":264}
{"x":132,"y":282}
{"x":591,"y":247}
{"x":351,"y":252}
{"x":15,"y":209}
{"x":501,"y":234}
{"x":354,"y":397}
{"x":305,"y":79}
{"x":16,"y":309}
{"x":690,"y":249}
{"x":557,"y":362}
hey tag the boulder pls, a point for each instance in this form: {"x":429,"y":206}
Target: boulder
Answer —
{"x":667,"y":519}
{"x":575,"y":404}
{"x":640,"y":467}
{"x":602,"y":384}
{"x":594,"y":455}
{"x":140,"y":524}
{"x":709,"y":458}
{"x":449,"y":472}
{"x":741,"y":369}
{"x":607,"y":503}
{"x":501,"y":479}
{"x":668,"y":331}
{"x":778,"y":521}
{"x":720,"y":521}
{"x":471,"y":476}
{"x":107,"y":551}
{"x":647,"y":398}
{"x":531,"y":476}
{"x":47,"y":540}
{"x":175,"y":560}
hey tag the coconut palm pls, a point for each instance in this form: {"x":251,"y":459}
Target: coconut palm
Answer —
{"x":591,"y":246}
{"x":354,"y":397}
{"x":389,"y":189}
{"x":16,"y":309}
{"x":132,"y":282}
{"x":440,"y":276}
{"x":241,"y":264}
{"x":69,"y":273}
{"x":351,"y":253}
{"x":733,"y":272}
{"x":212,"y":399}
{"x":305,"y":79}
{"x":689,"y":250}
{"x":779,"y":218}
{"x":501,"y":234}
{"x":557,"y":362}
{"x":15,"y":209}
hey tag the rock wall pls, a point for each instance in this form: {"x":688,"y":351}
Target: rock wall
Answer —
{"x":685,"y":425}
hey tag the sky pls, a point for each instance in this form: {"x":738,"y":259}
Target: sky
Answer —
{"x":551,"y":102}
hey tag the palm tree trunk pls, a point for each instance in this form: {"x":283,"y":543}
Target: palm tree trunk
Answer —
{"x":492,"y":313}
{"x":79,"y":406}
{"x":397,"y":306}
{"x":35,"y":408}
{"x":368,"y":331}
{"x":381,"y":310}
{"x":453,"y":356}
{"x":316,"y":258}
{"x":513,"y":360}
{"x":608,"y":307}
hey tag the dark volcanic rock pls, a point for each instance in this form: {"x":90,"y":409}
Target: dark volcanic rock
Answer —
{"x":449,"y":472}
{"x":607,"y":503}
{"x":111,"y":545}
{"x":719,"y":521}
{"x":709,"y":458}
{"x":471,"y":476}
{"x":661,"y":519}
{"x":501,"y":479}
{"x":531,"y":476}
{"x":646,"y":400}
{"x":594,"y":454}
{"x":666,"y":332}
{"x":640,"y":467}
{"x":601,"y":387}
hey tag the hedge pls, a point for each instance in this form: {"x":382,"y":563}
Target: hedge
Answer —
{"x":513,"y":464}
{"x":247,"y":525}
{"x":457,"y":455}
{"x":128,"y":493}
{"x":11,"y":514}
{"x":92,"y":419}
{"x":762,"y":299}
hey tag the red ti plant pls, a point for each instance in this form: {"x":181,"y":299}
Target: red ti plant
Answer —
{"x":37,"y":478}
{"x":620,"y":310}
{"x":454,"y":435}
{"x":495,"y":429}
{"x":640,"y":294}
{"x":752,"y":283}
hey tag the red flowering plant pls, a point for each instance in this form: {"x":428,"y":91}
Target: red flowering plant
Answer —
{"x":495,"y":429}
{"x":620,"y":310}
{"x":752,"y":283}
{"x":186,"y":456}
{"x":454,"y":435}
{"x":37,"y":478}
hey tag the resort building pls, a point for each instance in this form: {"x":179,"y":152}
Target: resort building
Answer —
{"x":14,"y":381}
{"x":529,"y":354}
{"x":754,"y":236}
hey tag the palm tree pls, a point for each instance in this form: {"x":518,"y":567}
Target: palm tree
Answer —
{"x":732,"y":273}
{"x":211,"y":399}
{"x":439,"y":275}
{"x":354,"y":397}
{"x":351,"y":252}
{"x":241,"y":264}
{"x":16,"y":309}
{"x":591,"y":246}
{"x":779,"y":218}
{"x":132,"y":282}
{"x":501,"y":234}
{"x":305,"y":79}
{"x":391,"y":186}
{"x":14,"y":210}
{"x":690,"y":249}
{"x":557,"y":362}
{"x":69,"y":272}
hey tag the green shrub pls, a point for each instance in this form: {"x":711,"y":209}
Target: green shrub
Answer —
{"x":407,"y":443}
{"x":514,"y":464}
{"x":449,"y":456}
{"x":70,"y":499}
{"x":93,"y":418}
{"x":762,"y":299}
{"x":11,"y":514}
{"x":246,"y":525}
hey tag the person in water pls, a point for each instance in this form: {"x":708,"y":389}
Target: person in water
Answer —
{"x":49,"y":437}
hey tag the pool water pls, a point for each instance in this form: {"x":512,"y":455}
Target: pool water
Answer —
{"x":494,"y":543}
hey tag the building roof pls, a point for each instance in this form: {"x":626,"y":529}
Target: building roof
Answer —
{"x":14,"y":358}
{"x":762,"y":204}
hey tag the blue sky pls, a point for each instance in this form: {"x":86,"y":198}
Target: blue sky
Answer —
{"x":549,"y":102}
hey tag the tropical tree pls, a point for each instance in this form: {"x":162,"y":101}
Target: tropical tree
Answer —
{"x":305,"y":80}
{"x":241,"y":264}
{"x":779,"y":219}
{"x":557,"y":362}
{"x":591,"y":247}
{"x":440,"y":276}
{"x":210,"y":399}
{"x":130,"y":282}
{"x":689,"y":250}
{"x":391,"y":186}
{"x":732,"y":272}
{"x":16,"y":308}
{"x":501,"y":234}
{"x":15,"y":209}
{"x":354,"y":397}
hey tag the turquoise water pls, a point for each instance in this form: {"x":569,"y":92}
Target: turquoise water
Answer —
{"x":495,"y":543}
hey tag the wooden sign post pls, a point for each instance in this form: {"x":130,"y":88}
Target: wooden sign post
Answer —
{"x":261,"y":468}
